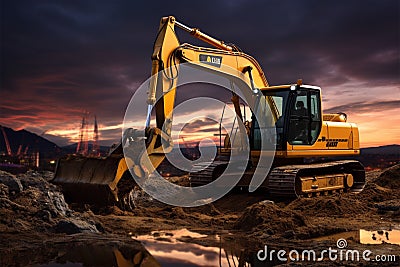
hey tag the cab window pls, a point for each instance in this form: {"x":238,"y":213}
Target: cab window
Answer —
{"x":305,"y":117}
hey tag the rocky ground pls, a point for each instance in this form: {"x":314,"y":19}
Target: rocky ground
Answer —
{"x":38,"y":228}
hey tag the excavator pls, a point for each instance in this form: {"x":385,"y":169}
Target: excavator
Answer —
{"x":307,"y":142}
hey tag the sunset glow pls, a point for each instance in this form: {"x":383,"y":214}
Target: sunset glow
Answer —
{"x":55,"y":68}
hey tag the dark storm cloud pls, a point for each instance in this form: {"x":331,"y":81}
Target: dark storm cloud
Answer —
{"x":311,"y":39}
{"x":199,"y":125}
{"x":69,"y":56}
{"x":360,"y":107}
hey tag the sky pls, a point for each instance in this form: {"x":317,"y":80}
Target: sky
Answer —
{"x":60,"y":59}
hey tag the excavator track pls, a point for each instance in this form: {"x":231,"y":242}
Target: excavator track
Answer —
{"x":293,"y":181}
{"x":205,"y":172}
{"x":314,"y":179}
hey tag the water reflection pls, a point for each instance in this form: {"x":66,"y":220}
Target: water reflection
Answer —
{"x":380,"y":237}
{"x":99,"y":256}
{"x":168,"y":248}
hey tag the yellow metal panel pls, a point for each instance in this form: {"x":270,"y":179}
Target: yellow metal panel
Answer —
{"x":322,"y":183}
{"x":338,"y":135}
{"x":322,"y":153}
{"x":356,"y":137}
{"x":258,"y":74}
{"x":335,"y":139}
{"x":228,"y":60}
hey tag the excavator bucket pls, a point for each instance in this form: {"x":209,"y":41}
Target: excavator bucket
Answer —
{"x":89,"y":180}
{"x":103,"y":181}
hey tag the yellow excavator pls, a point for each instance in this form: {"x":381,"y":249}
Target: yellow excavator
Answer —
{"x":303,"y":132}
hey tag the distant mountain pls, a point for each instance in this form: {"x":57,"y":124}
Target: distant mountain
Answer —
{"x":372,"y":157}
{"x":30,"y":141}
{"x":382,"y":150}
{"x":380,"y":157}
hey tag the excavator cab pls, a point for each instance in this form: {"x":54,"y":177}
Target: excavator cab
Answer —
{"x":299,"y":117}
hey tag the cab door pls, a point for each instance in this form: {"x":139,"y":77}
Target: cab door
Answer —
{"x":304,"y":122}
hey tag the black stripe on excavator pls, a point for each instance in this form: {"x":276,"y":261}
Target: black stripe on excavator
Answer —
{"x":332,"y":142}
{"x":211,"y":60}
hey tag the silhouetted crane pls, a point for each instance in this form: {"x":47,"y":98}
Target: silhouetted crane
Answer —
{"x":9,"y":152}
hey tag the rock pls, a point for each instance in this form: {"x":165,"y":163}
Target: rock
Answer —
{"x":57,"y":203}
{"x":6,"y":203}
{"x":44,"y":215}
{"x":389,"y":205}
{"x":289,"y":234}
{"x":34,"y":179}
{"x":38,"y":205}
{"x":267,"y":202}
{"x":11,"y":181}
{"x":4,"y":191}
{"x":74,"y":226}
{"x":100,"y":227}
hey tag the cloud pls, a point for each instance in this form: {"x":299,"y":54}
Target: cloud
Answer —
{"x":363,"y":107}
{"x":198,"y":126}
{"x":61,"y":58}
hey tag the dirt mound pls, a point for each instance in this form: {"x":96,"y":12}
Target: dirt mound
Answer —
{"x":29,"y":202}
{"x":328,"y":206}
{"x":267,"y":217}
{"x":391,"y":207}
{"x":375,"y":193}
{"x":381,"y":187}
{"x":390,"y":178}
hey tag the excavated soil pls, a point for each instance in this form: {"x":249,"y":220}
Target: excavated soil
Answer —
{"x":268,"y":217}
{"x":328,"y":206}
{"x":37,"y":226}
{"x":390,"y":178}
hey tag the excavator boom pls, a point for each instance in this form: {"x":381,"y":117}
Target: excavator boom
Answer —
{"x":98,"y":180}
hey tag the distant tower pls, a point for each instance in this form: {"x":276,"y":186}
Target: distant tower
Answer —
{"x":19,"y":150}
{"x":85,"y":151}
{"x":78,"y":147}
{"x":83,"y":145}
{"x":96,"y":146}
{"x":9,"y":152}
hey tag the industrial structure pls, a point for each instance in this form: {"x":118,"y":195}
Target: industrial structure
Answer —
{"x":19,"y":159}
{"x":82,"y":147}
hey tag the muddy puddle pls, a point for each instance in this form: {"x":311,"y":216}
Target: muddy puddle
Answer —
{"x":176,"y":248}
{"x":187,"y":248}
{"x":102,"y":256}
{"x":391,"y":236}
{"x":83,"y":254}
{"x":380,"y":237}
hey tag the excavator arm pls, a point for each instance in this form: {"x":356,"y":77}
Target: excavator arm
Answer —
{"x":168,"y":53}
{"x":224,"y":60}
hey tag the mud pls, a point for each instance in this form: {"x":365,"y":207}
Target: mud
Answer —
{"x":38,"y":228}
{"x":28,"y":202}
